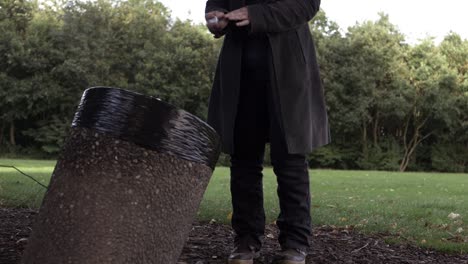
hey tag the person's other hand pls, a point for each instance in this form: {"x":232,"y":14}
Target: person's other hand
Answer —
{"x":216,"y":28}
{"x":240,"y":15}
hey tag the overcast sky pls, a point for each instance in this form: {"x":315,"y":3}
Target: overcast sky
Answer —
{"x":415,"y":18}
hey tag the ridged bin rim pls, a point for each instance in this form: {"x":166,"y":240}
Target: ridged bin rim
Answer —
{"x":127,"y":115}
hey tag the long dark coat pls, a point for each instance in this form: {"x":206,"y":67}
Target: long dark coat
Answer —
{"x":295,"y":73}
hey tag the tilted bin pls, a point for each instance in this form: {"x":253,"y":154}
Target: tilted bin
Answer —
{"x":127,"y":184}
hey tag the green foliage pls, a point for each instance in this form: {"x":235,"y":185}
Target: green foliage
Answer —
{"x":334,"y":156}
{"x":51,"y":52}
{"x":449,"y":157}
{"x":50,"y":134}
{"x":387,"y":98}
{"x":385,"y":156}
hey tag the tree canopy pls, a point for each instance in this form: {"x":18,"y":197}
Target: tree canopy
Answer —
{"x":392,"y":105}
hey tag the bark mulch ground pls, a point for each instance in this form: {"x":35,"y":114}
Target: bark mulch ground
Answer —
{"x":209,"y":243}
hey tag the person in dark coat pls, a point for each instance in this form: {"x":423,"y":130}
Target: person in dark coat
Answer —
{"x":267,"y":88}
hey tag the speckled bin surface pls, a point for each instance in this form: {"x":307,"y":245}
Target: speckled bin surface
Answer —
{"x":114,"y":201}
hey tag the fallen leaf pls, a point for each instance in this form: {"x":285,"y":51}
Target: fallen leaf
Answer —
{"x":453,"y":216}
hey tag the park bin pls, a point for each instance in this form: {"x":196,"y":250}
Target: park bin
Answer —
{"x":127,"y":184}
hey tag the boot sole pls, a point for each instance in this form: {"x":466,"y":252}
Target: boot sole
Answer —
{"x":289,"y":262}
{"x":239,"y":261}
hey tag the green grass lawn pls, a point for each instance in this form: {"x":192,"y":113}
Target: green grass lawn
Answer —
{"x":408,"y":207}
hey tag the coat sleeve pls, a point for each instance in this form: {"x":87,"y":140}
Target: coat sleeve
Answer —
{"x":216,"y":5}
{"x":281,"y":15}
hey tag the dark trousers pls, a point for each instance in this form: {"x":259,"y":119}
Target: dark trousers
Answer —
{"x":257,"y":122}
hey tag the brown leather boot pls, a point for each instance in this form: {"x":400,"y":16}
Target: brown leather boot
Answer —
{"x":291,"y":256}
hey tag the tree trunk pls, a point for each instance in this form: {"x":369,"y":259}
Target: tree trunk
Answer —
{"x":405,"y":144}
{"x":376,"y":129}
{"x":408,"y":153}
{"x":2,"y":128}
{"x":365,"y":151}
{"x":12,"y":134}
{"x":410,"y":147}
